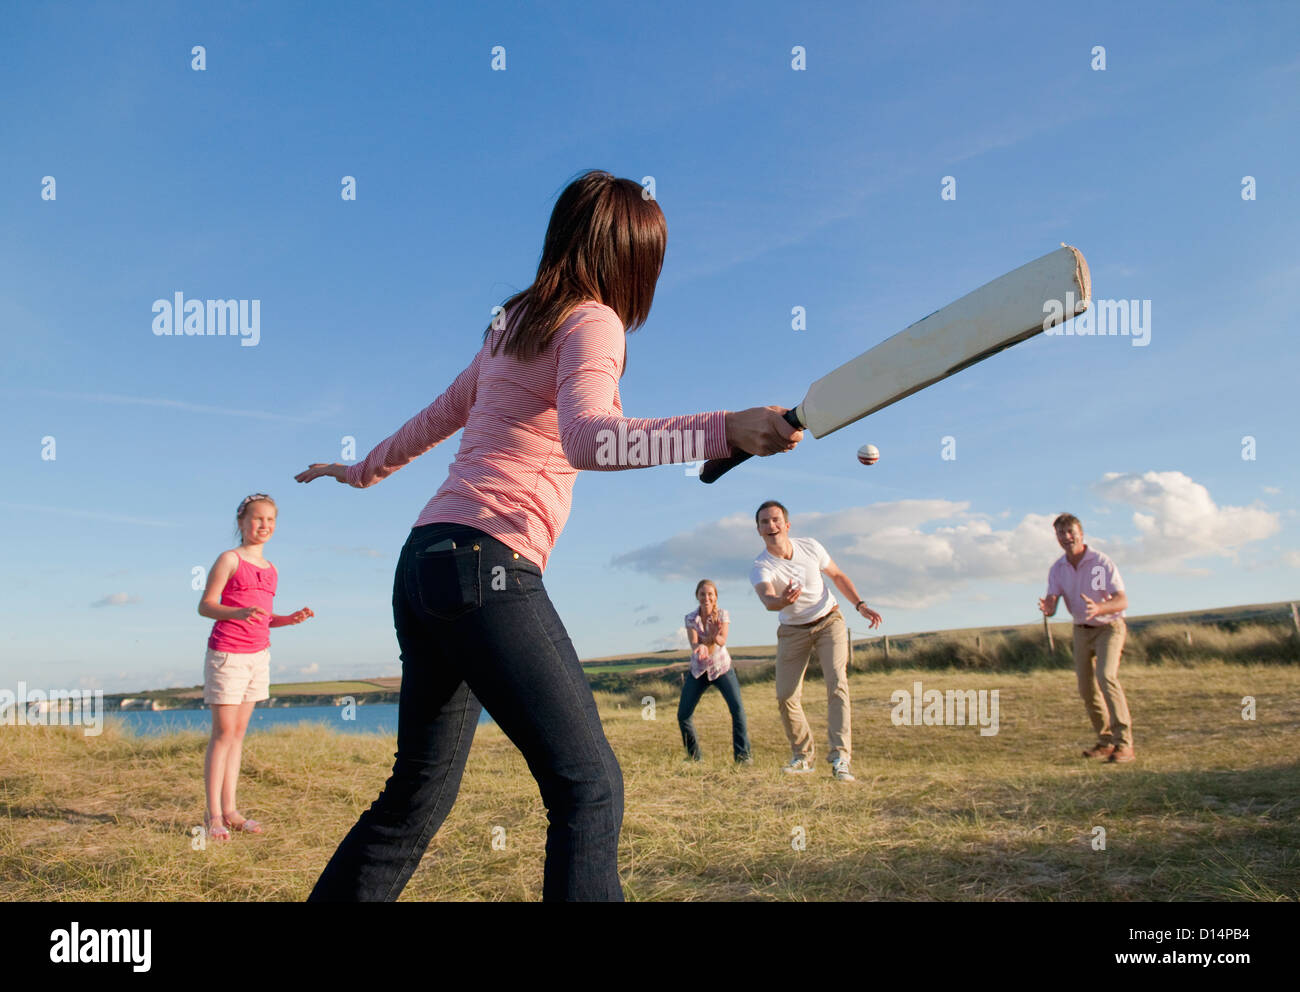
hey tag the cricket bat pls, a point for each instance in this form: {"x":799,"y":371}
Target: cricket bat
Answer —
{"x":1006,"y":311}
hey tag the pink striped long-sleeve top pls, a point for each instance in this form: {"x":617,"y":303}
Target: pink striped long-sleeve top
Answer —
{"x":530,"y":427}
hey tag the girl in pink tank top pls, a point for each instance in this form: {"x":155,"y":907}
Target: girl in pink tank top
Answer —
{"x":237,"y":669}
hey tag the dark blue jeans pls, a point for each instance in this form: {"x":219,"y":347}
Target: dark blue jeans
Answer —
{"x":475,"y":624}
{"x":729,"y":686}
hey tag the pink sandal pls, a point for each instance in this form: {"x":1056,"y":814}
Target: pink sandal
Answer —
{"x":215,"y":827}
{"x":245,"y":825}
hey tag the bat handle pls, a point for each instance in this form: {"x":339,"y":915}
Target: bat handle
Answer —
{"x":715,"y":468}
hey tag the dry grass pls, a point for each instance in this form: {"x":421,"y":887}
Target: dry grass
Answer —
{"x":1211,"y":810}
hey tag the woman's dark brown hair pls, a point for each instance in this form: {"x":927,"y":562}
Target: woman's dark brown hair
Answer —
{"x":605,"y":242}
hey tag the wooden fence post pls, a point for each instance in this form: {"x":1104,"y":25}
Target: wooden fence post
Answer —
{"x":1295,"y":619}
{"x":1189,"y":637}
{"x":886,"y":647}
{"x":1051,"y":644}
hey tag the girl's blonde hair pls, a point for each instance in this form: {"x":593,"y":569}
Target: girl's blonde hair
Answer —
{"x":244,"y":504}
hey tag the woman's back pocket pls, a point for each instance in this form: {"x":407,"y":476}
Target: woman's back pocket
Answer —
{"x":447,"y":581}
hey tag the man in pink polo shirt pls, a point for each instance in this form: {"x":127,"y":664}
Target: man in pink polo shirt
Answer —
{"x":1094,"y":595}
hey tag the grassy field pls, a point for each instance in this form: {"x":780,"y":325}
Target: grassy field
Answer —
{"x":1210,"y":811}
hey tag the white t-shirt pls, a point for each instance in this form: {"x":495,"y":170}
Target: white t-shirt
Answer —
{"x":804,"y":567}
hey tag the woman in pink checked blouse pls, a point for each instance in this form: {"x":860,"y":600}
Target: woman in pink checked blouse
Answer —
{"x":539,"y":402}
{"x":707,"y":629}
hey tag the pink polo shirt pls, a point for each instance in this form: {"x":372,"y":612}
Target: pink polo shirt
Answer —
{"x":1095,"y":577}
{"x":529,"y":428}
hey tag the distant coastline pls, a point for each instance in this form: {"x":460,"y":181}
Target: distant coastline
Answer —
{"x":990,"y":648}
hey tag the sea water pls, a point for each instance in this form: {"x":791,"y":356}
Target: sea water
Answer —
{"x":378,"y":718}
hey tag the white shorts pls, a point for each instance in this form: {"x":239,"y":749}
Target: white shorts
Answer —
{"x":236,"y":678}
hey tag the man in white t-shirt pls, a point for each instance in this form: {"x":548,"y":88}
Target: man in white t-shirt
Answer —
{"x":788,"y":578}
{"x":1094,"y":594}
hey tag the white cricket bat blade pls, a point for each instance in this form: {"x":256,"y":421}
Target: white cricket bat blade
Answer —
{"x":1001,"y":313}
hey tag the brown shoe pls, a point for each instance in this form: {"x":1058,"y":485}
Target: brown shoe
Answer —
{"x":1121,"y":754}
{"x":1099,"y":751}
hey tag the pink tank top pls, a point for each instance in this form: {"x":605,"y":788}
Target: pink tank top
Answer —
{"x":248,"y":586}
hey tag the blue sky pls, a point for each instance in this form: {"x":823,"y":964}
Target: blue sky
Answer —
{"x":818,"y":188}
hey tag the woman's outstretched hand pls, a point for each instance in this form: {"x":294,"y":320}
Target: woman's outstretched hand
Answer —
{"x":316,"y":469}
{"x":761,"y":430}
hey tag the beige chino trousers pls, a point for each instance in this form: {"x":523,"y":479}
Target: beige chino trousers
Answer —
{"x":1099,"y":686}
{"x":829,"y":638}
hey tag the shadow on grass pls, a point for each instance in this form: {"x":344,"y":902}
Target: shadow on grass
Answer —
{"x":1216,"y":835}
{"x":67,"y":815}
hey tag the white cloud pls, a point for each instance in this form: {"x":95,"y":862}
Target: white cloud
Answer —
{"x":117,"y":599}
{"x":88,"y":514}
{"x":1292,"y":558}
{"x":917,"y":553}
{"x":675,"y":641}
{"x":311,"y":669}
{"x":909,"y":553}
{"x":1181,"y":521}
{"x":1273,"y":490}
{"x":182,"y":405}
